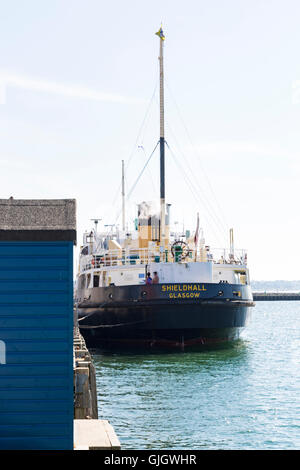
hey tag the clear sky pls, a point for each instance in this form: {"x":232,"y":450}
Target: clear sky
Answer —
{"x":76,"y":86}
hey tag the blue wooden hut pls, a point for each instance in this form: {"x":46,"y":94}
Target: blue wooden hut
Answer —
{"x":36,"y":323}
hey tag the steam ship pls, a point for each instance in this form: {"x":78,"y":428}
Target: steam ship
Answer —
{"x":152,"y":289}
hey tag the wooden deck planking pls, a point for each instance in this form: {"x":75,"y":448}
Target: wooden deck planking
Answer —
{"x":94,"y":434}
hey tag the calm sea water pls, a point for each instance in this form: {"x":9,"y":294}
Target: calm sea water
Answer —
{"x":245,"y":396}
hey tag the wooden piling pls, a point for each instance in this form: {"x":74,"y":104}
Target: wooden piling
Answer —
{"x":85,"y":390}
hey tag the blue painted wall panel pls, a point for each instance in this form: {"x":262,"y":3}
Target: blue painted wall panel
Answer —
{"x":30,"y":393}
{"x":35,"y":442}
{"x":35,"y":417}
{"x":32,"y":297}
{"x":37,"y":357}
{"x":32,"y":429}
{"x":38,"y":262}
{"x":10,"y":309}
{"x":38,"y":345}
{"x":9,"y":335}
{"x":35,"y":383}
{"x":36,"y":324}
{"x":34,"y":274}
{"x":33,"y":249}
{"x":26,"y":285}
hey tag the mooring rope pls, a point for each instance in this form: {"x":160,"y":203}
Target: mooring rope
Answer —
{"x":112,"y":326}
{"x":92,"y":313}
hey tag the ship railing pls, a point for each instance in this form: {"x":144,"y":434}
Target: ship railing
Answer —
{"x":120,"y":258}
{"x":125,"y":257}
{"x":224,"y":255}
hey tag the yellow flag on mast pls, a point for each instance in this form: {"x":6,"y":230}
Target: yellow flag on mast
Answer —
{"x":160,"y":34}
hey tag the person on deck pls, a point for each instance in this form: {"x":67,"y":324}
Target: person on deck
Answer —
{"x":148,"y":279}
{"x":155,"y":278}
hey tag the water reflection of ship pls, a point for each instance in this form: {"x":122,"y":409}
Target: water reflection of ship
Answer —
{"x":202,"y":297}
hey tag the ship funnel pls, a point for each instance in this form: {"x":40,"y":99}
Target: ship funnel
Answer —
{"x":149,"y":223}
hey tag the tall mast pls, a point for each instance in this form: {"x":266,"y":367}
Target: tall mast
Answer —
{"x":123,"y":197}
{"x":160,"y":34}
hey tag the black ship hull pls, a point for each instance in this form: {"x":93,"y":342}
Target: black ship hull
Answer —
{"x":163,"y":315}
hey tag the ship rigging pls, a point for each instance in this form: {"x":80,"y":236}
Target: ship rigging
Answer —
{"x":151,"y":288}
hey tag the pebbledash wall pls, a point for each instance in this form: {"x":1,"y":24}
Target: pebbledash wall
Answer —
{"x":36,"y":323}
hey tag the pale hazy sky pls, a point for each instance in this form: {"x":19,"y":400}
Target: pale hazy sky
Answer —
{"x":76,"y":81}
